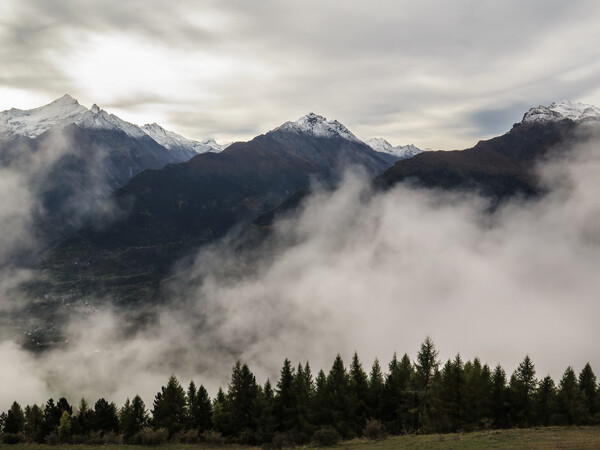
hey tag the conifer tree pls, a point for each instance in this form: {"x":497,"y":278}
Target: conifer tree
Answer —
{"x":263,"y":410}
{"x":199,"y":408}
{"x":105,"y":419}
{"x":499,"y":398}
{"x":399,"y":410}
{"x":133,"y":417}
{"x":376,"y":390}
{"x":34,"y":418}
{"x":241,"y":397}
{"x":426,"y":368}
{"x":81,"y":423}
{"x":52,"y":415}
{"x":337,"y":394}
{"x":302,"y":386}
{"x":285,"y":401}
{"x":64,"y":426}
{"x":571,"y":404}
{"x":170,"y":407}
{"x":451,"y":393}
{"x":589,"y":389}
{"x":321,"y":410}
{"x":477,"y":393}
{"x":359,"y":395}
{"x":522,"y":385}
{"x":15,"y":420}
{"x":218,"y":417}
{"x":545,"y":402}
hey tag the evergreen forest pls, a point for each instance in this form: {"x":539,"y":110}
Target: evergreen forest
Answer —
{"x":421,"y":396}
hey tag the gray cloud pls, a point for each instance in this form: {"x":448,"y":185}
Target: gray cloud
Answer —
{"x":425,"y":72}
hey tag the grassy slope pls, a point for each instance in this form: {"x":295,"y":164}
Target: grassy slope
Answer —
{"x":531,"y":438}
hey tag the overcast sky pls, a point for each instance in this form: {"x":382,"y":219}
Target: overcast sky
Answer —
{"x":437,"y":74}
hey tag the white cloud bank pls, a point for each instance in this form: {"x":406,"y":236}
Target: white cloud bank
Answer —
{"x":360,"y":270}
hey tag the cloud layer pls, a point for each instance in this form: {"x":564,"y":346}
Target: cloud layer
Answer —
{"x":411,"y":72}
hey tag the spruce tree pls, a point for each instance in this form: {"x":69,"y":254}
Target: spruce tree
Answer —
{"x":170,"y":407}
{"x":338,"y":398}
{"x":589,"y":389}
{"x":571,"y":403}
{"x":499,"y":398}
{"x":34,"y":418}
{"x":376,"y":390}
{"x":426,"y":368}
{"x":545,"y":402}
{"x":105,"y":419}
{"x":241,"y":396}
{"x":15,"y":420}
{"x":523,"y":385}
{"x":359,"y":395}
{"x":285,"y":401}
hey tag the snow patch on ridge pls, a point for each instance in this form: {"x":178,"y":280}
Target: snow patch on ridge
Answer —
{"x":400,"y":151}
{"x":563,"y":109}
{"x":173,"y":141}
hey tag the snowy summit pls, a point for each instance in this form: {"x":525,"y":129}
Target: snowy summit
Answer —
{"x":562,"y":110}
{"x":66,"y":110}
{"x":400,"y":151}
{"x":318,"y":126}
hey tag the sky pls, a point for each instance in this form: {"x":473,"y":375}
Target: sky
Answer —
{"x":430,"y":73}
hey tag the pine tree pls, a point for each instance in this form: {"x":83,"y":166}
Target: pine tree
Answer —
{"x":170,"y":407}
{"x":133,"y":417}
{"x":477,"y":393}
{"x":399,"y":410}
{"x":571,"y":404}
{"x":64,"y":427}
{"x":321,"y":410}
{"x":499,"y":398}
{"x":302,"y":386}
{"x":81,"y":423}
{"x":376,"y":390}
{"x":426,"y":368}
{"x":218,"y":417}
{"x":285,"y":401}
{"x":34,"y":418}
{"x":338,"y":398}
{"x":105,"y":419}
{"x":451,"y":390}
{"x":52,"y":415}
{"x":15,"y":420}
{"x":545,"y":402}
{"x":523,"y":384}
{"x":263,"y":410}
{"x":589,"y":389}
{"x":199,"y":408}
{"x":241,"y":397}
{"x":359,"y":395}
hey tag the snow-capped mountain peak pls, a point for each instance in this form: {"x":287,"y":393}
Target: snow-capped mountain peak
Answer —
{"x":560,"y":110}
{"x":318,"y":126}
{"x":400,"y":151}
{"x":66,"y":110}
{"x":174,"y":141}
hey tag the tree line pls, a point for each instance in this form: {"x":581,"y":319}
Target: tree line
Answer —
{"x":421,"y":396}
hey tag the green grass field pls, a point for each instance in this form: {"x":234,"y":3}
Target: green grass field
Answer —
{"x":530,"y":438}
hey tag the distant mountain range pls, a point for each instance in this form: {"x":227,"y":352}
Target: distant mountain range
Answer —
{"x":168,"y":210}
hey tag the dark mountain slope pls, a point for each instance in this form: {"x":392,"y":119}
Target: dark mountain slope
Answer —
{"x":499,"y":167}
{"x":172,"y":211}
